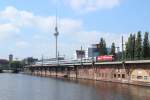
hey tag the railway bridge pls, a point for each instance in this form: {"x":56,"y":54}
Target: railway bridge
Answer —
{"x":9,"y":69}
{"x":130,"y":72}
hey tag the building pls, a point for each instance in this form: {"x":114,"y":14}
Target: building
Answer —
{"x":93,"y":51}
{"x":80,"y":54}
{"x":10,"y":58}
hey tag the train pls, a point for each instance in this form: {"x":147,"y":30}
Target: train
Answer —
{"x":105,"y":58}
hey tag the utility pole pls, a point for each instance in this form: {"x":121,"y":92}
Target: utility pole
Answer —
{"x":81,"y":55}
{"x":58,"y":58}
{"x":122,"y":50}
{"x":42,"y":59}
{"x":118,"y":58}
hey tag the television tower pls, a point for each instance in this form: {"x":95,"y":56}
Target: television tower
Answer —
{"x":56,"y":34}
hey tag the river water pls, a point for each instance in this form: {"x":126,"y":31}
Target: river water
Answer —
{"x":26,"y":87}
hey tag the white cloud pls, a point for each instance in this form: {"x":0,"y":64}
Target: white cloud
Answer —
{"x":91,"y":5}
{"x":7,"y":30}
{"x":86,"y":38}
{"x":22,"y":44}
{"x":22,"y":18}
{"x":70,"y":25}
{"x":38,"y":43}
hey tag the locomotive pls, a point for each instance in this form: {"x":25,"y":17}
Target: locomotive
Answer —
{"x":105,"y":58}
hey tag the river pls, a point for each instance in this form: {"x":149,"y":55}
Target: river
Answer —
{"x":26,"y":87}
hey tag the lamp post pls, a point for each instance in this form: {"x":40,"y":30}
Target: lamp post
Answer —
{"x":81,"y":55}
{"x":122,"y":49}
{"x":118,"y":58}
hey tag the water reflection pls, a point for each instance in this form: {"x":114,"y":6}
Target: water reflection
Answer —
{"x":25,"y":87}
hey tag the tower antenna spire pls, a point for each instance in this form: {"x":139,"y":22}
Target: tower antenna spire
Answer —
{"x":56,"y":17}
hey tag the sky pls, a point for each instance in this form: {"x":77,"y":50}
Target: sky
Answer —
{"x":27,"y":26}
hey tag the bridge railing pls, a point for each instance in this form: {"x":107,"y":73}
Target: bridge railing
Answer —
{"x":73,"y":61}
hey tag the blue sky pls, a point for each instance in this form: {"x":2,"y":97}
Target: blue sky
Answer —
{"x":27,"y":26}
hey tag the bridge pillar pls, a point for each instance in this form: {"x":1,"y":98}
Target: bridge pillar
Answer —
{"x":45,"y":70}
{"x":49,"y":69}
{"x":68,"y":71}
{"x":76,"y":71}
{"x":56,"y":70}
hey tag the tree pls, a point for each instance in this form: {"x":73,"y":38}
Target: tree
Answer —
{"x":138,"y":46}
{"x":113,"y":49}
{"x":146,"y":47}
{"x":130,"y":47}
{"x":102,"y":47}
{"x":133,"y":47}
{"x":15,"y":64}
{"x":30,"y":60}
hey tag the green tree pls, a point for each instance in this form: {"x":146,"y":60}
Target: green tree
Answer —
{"x":113,"y":49}
{"x":146,"y":47}
{"x":133,"y":47}
{"x":130,"y":47}
{"x":127,"y":49}
{"x":15,"y":64}
{"x":102,"y":47}
{"x":138,"y":46}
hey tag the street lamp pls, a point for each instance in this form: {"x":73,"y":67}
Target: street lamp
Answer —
{"x":118,"y":58}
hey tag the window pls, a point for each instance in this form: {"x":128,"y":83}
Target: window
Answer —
{"x":114,"y":75}
{"x":105,"y":74}
{"x":145,"y":77}
{"x":139,"y":77}
{"x":99,"y":74}
{"x":102,"y":74}
{"x":118,"y":75}
{"x":123,"y":75}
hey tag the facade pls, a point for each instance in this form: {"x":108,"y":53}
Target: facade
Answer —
{"x":93,"y":51}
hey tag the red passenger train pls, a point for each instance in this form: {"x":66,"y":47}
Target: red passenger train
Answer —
{"x":105,"y":58}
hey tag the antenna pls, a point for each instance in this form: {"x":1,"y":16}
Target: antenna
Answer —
{"x":56,"y":27}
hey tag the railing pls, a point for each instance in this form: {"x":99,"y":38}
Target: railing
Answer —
{"x":78,"y":61}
